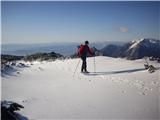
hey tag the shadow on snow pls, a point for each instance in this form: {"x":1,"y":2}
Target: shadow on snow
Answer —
{"x":115,"y":72}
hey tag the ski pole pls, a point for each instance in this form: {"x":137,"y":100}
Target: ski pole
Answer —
{"x":94,"y":65}
{"x":76,"y":68}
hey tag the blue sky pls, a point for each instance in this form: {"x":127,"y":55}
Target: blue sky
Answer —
{"x":44,"y":22}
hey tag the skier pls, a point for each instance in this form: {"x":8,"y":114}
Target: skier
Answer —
{"x":82,"y":52}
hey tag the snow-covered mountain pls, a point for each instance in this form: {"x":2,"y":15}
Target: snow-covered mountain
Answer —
{"x":118,"y":89}
{"x":137,"y":49}
{"x":141,"y":48}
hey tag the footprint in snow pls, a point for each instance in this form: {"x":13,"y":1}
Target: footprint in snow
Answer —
{"x":142,"y":93}
{"x":29,"y":100}
{"x":24,"y":101}
{"x":146,"y":88}
{"x":123,"y":91}
{"x":18,"y":72}
{"x":155,"y":83}
{"x":40,"y":68}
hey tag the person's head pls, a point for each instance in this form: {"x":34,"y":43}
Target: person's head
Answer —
{"x":86,"y":42}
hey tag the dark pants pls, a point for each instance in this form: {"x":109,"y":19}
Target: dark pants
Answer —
{"x":84,"y":64}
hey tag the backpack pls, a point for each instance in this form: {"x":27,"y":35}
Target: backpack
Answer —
{"x":81,"y":50}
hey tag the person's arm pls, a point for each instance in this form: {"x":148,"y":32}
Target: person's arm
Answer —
{"x":90,"y":51}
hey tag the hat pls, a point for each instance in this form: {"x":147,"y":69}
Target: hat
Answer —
{"x":86,"y":42}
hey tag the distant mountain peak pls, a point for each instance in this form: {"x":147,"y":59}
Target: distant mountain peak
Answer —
{"x":136,"y":49}
{"x":148,"y":40}
{"x":144,"y":41}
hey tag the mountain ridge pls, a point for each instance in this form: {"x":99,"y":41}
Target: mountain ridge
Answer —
{"x":136,"y":49}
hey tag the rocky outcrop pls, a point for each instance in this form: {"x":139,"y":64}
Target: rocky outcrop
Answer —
{"x":42,"y":56}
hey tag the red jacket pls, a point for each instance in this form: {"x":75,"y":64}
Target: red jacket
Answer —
{"x":83,"y":50}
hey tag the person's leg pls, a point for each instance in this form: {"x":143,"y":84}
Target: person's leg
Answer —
{"x":83,"y":64}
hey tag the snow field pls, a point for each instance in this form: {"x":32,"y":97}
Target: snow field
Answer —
{"x":119,"y":89}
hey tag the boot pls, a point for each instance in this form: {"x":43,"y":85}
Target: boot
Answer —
{"x":86,"y":71}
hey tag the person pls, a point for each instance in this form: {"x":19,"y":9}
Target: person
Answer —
{"x":83,"y":51}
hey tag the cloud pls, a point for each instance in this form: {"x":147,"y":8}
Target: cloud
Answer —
{"x":123,"y":29}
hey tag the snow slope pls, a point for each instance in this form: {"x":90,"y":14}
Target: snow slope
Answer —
{"x":119,"y":89}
